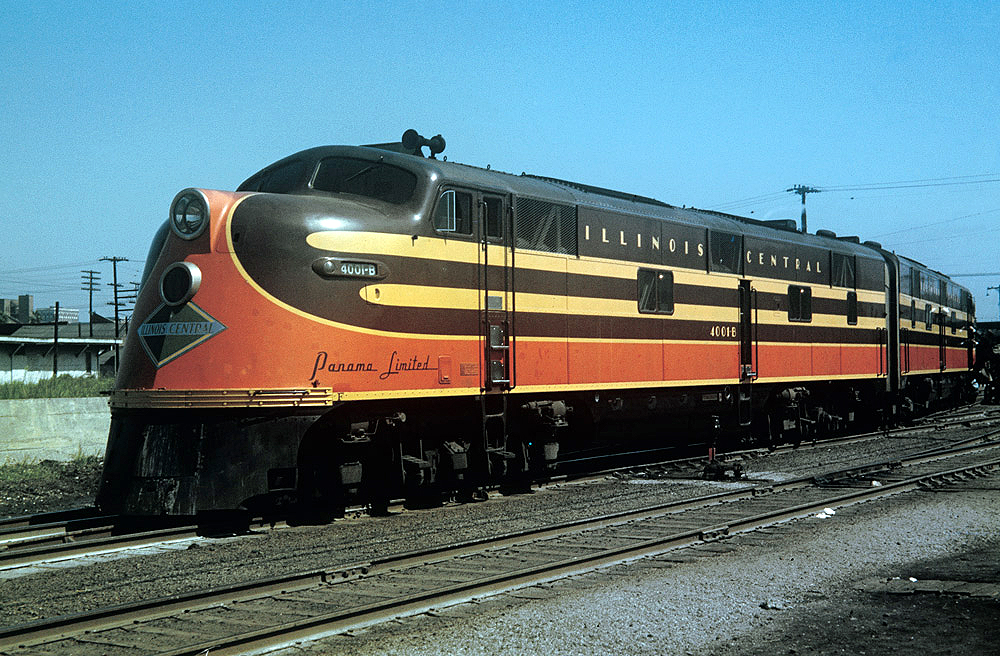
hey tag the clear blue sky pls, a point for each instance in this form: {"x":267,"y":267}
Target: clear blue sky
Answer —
{"x":109,"y":109}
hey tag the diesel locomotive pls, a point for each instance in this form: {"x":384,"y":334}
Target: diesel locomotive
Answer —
{"x":365,"y":322}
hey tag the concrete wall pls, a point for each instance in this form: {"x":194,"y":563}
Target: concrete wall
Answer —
{"x":53,"y":429}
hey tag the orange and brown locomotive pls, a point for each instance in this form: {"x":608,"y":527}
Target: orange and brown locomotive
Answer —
{"x":366,"y":322}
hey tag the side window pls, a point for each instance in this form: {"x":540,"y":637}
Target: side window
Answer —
{"x":952,"y":323}
{"x":493,"y":215}
{"x":852,"y":308}
{"x":913,"y":313}
{"x":928,"y":317}
{"x":453,"y":212}
{"x":799,"y":303}
{"x":656,"y":291}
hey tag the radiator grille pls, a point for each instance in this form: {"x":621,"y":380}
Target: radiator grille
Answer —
{"x":543,"y":226}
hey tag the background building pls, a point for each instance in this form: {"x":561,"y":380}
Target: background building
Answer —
{"x":66,"y":315}
{"x":32,"y":353}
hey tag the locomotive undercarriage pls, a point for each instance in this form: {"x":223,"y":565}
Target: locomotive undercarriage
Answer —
{"x":922,"y":394}
{"x":312,"y":466}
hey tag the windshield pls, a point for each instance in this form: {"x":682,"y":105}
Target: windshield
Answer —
{"x":277,"y":180}
{"x":362,"y":177}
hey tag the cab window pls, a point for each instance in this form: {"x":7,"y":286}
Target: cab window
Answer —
{"x":493,"y":214}
{"x":453,"y":212}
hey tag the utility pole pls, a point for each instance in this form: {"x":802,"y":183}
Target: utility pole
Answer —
{"x":90,"y":280}
{"x":802,"y":190}
{"x":129,"y":297}
{"x":55,"y":342}
{"x":114,"y":272}
{"x":997,"y":288}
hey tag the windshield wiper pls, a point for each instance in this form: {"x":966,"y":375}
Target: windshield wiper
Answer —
{"x":364,"y":171}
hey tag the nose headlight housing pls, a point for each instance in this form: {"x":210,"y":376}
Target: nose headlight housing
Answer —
{"x":189,"y":214}
{"x":179,"y":283}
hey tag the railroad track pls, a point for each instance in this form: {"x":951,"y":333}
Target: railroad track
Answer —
{"x":61,"y":541}
{"x":273,"y":612}
{"x":81,"y":532}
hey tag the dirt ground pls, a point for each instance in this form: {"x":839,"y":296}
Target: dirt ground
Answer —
{"x":27,"y":489}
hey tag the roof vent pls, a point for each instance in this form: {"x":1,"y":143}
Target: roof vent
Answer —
{"x":873,"y":244}
{"x":853,"y":239}
{"x":782,"y":224}
{"x":826,"y":233}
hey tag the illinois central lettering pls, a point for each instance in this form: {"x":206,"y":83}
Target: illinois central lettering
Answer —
{"x":783,"y":261}
{"x":640,"y":240}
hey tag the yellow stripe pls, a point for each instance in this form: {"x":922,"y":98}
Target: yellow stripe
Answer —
{"x":780,"y":318}
{"x":451,"y":298}
{"x":589,"y":387}
{"x":312,"y":317}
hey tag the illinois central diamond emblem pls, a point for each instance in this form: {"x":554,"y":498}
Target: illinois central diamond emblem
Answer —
{"x":170,"y":332}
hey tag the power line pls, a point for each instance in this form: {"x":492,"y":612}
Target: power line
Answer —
{"x":926,"y":182}
{"x":981,"y":178}
{"x":973,"y":275}
{"x":877,"y":187}
{"x":934,"y":223}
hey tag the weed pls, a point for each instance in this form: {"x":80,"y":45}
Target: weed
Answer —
{"x":61,"y":387}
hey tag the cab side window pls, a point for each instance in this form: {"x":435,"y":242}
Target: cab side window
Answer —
{"x":453,"y":212}
{"x":493,"y":215}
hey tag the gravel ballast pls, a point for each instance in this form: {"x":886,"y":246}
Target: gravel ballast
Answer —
{"x":575,"y":616}
{"x":811,"y":586}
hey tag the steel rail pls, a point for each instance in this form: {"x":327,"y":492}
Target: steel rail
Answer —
{"x":340,"y":621}
{"x":23,"y":521}
{"x":41,"y":631}
{"x":53,"y":533}
{"x":97,"y":540}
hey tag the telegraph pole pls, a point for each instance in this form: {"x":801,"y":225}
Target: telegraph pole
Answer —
{"x":114,"y":272}
{"x":129,"y":298}
{"x":802,"y":190}
{"x":90,"y":280}
{"x":55,"y":343}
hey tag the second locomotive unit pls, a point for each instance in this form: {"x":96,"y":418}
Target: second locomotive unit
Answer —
{"x":366,"y":322}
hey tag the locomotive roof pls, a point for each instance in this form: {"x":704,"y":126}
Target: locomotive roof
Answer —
{"x":572,"y":193}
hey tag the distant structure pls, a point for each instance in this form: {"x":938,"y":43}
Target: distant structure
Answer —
{"x":17,"y":311}
{"x":66,"y":315}
{"x":25,"y":308}
{"x":31,"y":353}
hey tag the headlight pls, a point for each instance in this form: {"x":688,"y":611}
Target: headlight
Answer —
{"x":179,"y":283}
{"x":189,"y":214}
